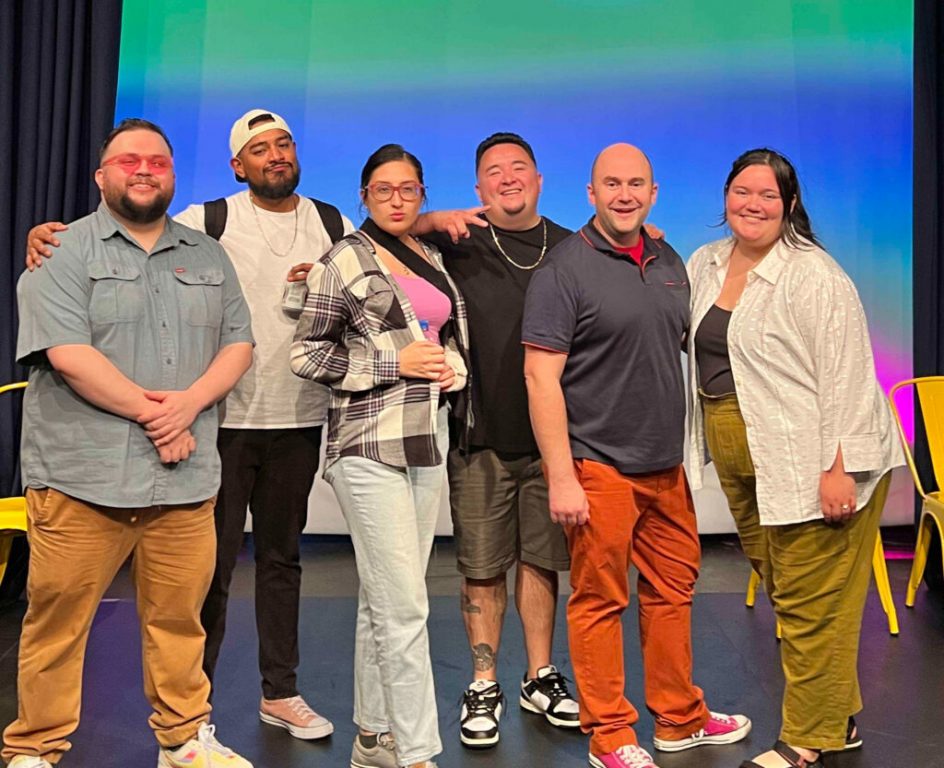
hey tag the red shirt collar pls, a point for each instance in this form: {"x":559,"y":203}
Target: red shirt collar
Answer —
{"x":634,"y":251}
{"x":595,"y":239}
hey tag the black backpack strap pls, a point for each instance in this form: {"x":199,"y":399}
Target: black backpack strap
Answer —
{"x":331,"y":218}
{"x":214,"y":217}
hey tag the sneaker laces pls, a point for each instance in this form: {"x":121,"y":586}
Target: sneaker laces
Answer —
{"x":557,"y":684}
{"x":718,"y":721}
{"x":723,"y":719}
{"x":387,"y":741}
{"x":478,"y":703}
{"x":300,"y":707}
{"x":206,"y":738}
{"x":635,"y":756}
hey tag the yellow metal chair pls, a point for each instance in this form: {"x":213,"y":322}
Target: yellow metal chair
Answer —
{"x":930,"y":391}
{"x":12,"y":510}
{"x":882,"y":584}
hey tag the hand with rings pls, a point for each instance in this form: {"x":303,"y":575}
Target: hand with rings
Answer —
{"x":837,"y":495}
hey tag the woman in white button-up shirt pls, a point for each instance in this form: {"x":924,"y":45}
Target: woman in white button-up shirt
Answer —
{"x":785,"y":395}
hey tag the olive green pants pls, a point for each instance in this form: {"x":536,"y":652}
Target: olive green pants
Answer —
{"x":817,"y":577}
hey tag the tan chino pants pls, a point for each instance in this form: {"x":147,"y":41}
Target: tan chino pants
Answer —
{"x":76,"y":550}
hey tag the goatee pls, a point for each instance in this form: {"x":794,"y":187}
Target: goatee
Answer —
{"x":277,"y":190}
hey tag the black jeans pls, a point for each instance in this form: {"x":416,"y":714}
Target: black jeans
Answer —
{"x":271,"y":472}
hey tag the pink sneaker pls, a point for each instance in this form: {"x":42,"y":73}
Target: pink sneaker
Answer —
{"x":295,"y":716}
{"x":627,"y":756}
{"x":720,"y":729}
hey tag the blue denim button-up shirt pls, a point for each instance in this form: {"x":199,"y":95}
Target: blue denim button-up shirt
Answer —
{"x":160,"y":318}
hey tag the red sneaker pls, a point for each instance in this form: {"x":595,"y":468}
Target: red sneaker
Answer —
{"x":720,"y":729}
{"x":627,"y":756}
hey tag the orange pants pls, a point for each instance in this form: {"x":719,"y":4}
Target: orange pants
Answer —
{"x":647,"y":520}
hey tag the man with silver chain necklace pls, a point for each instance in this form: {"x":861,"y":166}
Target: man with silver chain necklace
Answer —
{"x":497,"y":491}
{"x":270,"y":436}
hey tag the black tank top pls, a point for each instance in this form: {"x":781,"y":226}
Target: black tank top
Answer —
{"x":711,"y":353}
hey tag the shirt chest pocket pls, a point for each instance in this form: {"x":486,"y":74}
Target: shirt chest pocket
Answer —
{"x":200,"y":296}
{"x":672,"y":296}
{"x":378,"y":303}
{"x":118,"y":293}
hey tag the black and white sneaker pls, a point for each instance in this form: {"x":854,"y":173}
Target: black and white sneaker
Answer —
{"x":547,"y":695}
{"x":481,"y":710}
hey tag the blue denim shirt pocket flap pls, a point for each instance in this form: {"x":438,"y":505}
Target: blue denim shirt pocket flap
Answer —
{"x":117,"y":294}
{"x":200,"y":294}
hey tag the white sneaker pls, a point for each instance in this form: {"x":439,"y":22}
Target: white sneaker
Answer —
{"x":482,"y":704}
{"x":547,"y":695}
{"x":29,"y":761}
{"x":381,"y":755}
{"x":202,"y":751}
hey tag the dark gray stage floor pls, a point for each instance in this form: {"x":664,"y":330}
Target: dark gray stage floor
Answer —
{"x":736,"y":657}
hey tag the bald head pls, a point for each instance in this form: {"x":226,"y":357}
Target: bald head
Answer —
{"x":616,"y":153}
{"x":622,"y":192}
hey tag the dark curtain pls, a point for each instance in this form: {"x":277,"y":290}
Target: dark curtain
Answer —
{"x":59,"y":60}
{"x":928,"y":220}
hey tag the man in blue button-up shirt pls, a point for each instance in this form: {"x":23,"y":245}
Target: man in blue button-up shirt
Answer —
{"x":133,"y":333}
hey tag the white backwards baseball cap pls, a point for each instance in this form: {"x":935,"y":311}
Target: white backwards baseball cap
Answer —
{"x":241,"y":132}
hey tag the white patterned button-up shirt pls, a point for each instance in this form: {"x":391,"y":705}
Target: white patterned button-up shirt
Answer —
{"x":804,"y":375}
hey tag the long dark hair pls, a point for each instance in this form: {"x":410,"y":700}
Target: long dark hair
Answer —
{"x":795,"y":228}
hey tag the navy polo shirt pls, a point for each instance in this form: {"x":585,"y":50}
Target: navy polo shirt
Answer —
{"x":621,"y":325}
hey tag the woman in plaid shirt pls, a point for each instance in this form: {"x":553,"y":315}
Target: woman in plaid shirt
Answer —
{"x":385,"y":328}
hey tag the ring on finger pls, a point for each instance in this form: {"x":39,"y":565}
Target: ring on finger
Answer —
{"x":844,"y":507}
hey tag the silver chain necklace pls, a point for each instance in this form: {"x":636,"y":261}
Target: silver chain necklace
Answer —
{"x":291,"y":245}
{"x":511,"y":260}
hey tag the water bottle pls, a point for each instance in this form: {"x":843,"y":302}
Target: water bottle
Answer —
{"x":294,"y":295}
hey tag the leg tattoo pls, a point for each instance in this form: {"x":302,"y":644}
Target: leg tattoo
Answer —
{"x":483,"y":657}
{"x":468,"y":606}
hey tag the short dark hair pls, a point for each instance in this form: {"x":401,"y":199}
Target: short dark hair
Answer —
{"x":795,"y":229}
{"x":133,"y":124}
{"x":502,"y":138}
{"x":389,"y":153}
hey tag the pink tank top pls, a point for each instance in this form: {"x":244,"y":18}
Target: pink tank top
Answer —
{"x":432,"y":306}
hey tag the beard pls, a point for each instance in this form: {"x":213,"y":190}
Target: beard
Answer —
{"x":119,"y":200}
{"x":277,"y":190}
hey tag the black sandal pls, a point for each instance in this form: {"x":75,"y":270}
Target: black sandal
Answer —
{"x":791,"y":758}
{"x":853,"y":737}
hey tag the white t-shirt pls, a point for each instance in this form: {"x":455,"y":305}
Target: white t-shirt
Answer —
{"x":269,"y":395}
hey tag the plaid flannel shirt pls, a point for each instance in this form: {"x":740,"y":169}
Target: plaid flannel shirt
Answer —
{"x":355,"y":322}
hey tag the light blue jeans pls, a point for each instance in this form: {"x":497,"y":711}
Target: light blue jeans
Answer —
{"x":391,"y":514}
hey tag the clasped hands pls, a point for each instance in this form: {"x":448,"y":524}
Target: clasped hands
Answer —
{"x":167,"y":422}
